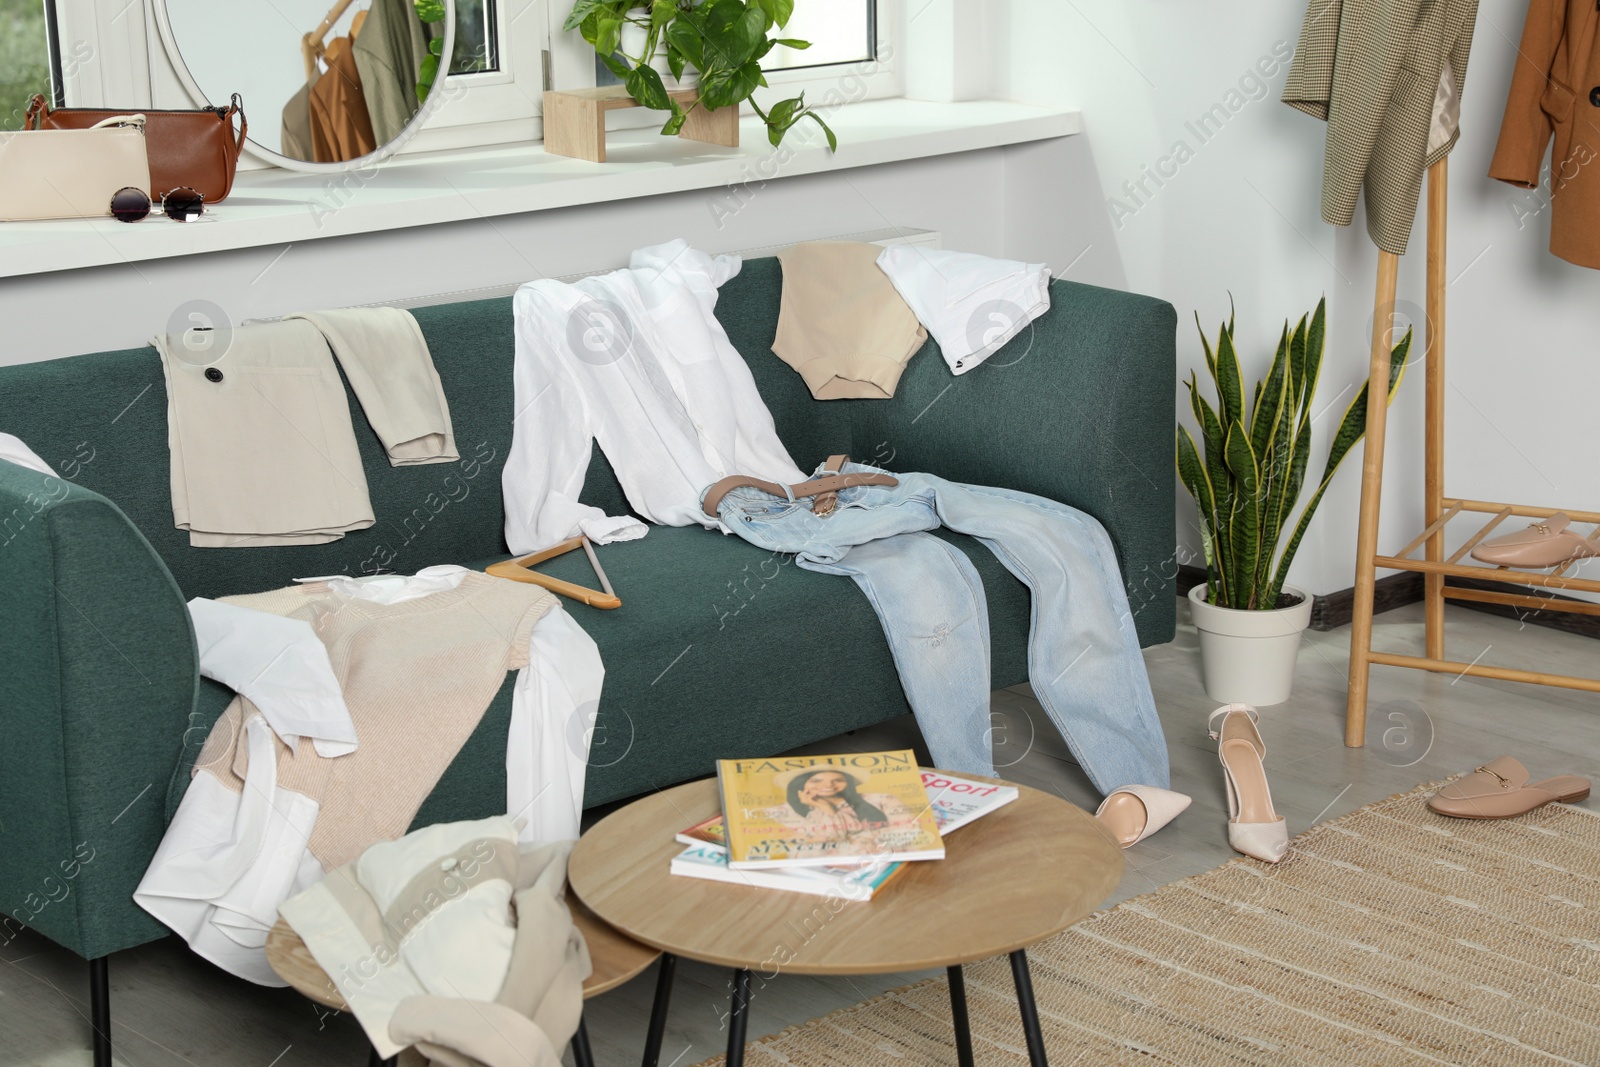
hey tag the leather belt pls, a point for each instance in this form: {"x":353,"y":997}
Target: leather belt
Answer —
{"x":824,"y":489}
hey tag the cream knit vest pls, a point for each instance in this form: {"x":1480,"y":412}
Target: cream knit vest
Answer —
{"x":417,"y":677}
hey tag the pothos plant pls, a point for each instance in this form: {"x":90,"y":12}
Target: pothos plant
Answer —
{"x":429,"y":11}
{"x":723,"y":40}
{"x":1250,"y":477}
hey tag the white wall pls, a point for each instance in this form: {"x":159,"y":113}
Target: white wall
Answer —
{"x":983,"y":201}
{"x":1241,"y":214}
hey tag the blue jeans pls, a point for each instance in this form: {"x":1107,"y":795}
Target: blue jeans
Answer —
{"x":1083,"y":654}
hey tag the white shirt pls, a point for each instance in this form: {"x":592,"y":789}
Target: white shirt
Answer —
{"x":971,"y":304}
{"x":637,"y":361}
{"x":12,"y":450}
{"x":228,"y":860}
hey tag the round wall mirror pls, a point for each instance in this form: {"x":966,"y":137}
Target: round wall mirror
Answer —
{"x":328,"y":85}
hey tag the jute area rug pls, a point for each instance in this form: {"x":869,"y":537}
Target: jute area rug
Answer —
{"x":1389,"y":936}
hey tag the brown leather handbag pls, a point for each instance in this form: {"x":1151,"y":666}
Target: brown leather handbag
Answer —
{"x":194,"y":149}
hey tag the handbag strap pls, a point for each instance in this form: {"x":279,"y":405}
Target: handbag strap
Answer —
{"x":236,"y":107}
{"x":38,"y":111}
{"x":136,"y":121}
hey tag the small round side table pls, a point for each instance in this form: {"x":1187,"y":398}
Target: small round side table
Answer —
{"x":1008,"y":880}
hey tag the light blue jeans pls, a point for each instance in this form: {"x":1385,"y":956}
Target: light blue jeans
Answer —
{"x":1083,"y":654}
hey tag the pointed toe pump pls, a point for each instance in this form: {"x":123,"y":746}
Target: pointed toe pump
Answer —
{"x":1254,"y":828}
{"x":1134,"y":812}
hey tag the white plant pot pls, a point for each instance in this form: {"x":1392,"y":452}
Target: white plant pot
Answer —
{"x":633,"y":38}
{"x":1247,"y":657}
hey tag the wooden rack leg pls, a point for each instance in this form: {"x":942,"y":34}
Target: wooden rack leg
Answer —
{"x":1355,"y":717}
{"x":1433,"y":584}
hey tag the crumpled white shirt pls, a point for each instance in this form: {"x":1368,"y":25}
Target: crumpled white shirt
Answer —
{"x":972,"y":304}
{"x":13,"y":450}
{"x":280,"y":666}
{"x":636,"y":360}
{"x":228,"y":860}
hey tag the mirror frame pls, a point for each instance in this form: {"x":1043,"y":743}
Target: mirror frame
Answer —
{"x":200,"y":99}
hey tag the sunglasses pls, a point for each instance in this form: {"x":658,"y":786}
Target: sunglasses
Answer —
{"x":180,"y":205}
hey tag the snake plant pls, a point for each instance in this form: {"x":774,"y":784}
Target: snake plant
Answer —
{"x":1253,"y":469}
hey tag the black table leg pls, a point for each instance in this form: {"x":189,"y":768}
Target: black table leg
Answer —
{"x":738,"y":1018}
{"x":958,"y":1016}
{"x":100,"y":1010}
{"x":1030,"y":1010}
{"x":582,"y":1054}
{"x":658,"y":1010}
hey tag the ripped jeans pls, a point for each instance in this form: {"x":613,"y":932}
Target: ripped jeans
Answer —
{"x":1083,"y":654}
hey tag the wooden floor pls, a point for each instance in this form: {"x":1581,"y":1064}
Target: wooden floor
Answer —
{"x":170,"y":1009}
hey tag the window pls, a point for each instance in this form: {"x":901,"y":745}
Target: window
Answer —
{"x":840,"y":31}
{"x":507,"y":53}
{"x":852,"y":56}
{"x":477,"y":43}
{"x":26,"y":58}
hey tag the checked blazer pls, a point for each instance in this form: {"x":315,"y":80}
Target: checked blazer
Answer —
{"x":1386,"y":76}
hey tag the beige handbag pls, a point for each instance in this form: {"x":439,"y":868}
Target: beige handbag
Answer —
{"x":71,"y":174}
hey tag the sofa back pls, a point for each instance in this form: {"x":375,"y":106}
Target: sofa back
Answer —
{"x":1078,"y":408}
{"x":101,"y":419}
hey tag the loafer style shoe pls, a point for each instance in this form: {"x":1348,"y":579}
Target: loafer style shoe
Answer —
{"x":1254,"y":828}
{"x":1134,"y":812}
{"x":1500,"y":790}
{"x":1549,"y":543}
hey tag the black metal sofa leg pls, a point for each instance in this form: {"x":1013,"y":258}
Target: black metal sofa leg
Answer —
{"x":100,"y":1009}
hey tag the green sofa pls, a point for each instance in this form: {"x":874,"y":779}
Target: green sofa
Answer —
{"x":103,"y":711}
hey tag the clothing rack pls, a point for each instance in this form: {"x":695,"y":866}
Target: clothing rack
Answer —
{"x":1438,"y":509}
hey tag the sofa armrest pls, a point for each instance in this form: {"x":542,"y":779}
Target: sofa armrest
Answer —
{"x":1079,"y":408}
{"x":98,"y":671}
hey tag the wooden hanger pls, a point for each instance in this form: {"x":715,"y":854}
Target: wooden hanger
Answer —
{"x":311,"y":45}
{"x":518,"y":571}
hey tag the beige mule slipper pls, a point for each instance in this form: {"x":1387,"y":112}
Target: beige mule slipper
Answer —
{"x":1500,"y":790}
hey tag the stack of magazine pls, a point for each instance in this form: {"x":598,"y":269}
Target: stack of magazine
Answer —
{"x":830,"y":825}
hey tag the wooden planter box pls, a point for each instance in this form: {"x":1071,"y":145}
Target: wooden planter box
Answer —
{"x":575,"y":121}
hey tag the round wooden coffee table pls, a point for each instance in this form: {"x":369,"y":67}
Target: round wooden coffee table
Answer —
{"x":1014,"y":877}
{"x":616,"y":958}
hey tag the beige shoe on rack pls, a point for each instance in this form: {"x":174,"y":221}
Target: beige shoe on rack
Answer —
{"x":1254,"y":828}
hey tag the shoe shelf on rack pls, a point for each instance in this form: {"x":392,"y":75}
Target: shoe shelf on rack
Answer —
{"x":1438,"y":567}
{"x":1438,"y":511}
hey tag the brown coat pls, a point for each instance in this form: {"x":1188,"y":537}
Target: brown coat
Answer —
{"x":1556,"y":90}
{"x":340,"y":126}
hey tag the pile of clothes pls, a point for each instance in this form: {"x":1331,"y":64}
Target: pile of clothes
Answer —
{"x":637,"y":361}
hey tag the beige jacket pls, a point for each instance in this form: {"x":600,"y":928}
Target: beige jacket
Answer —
{"x":453,"y":945}
{"x":1387,"y":77}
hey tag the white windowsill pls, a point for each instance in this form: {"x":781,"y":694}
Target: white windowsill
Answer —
{"x":271,"y":207}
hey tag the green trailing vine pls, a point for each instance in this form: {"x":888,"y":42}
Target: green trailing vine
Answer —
{"x":723,"y":40}
{"x":429,"y":11}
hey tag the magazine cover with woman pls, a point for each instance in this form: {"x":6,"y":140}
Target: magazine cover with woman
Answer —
{"x":822,"y":810}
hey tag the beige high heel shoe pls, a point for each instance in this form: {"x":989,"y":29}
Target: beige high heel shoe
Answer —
{"x":1254,"y":828}
{"x":1134,"y":812}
